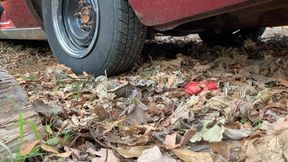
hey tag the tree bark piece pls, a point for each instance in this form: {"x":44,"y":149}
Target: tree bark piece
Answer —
{"x":13,"y":100}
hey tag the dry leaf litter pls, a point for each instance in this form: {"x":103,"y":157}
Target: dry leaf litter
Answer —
{"x":145,"y":115}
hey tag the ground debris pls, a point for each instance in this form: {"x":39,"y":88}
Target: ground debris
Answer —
{"x":146,"y":115}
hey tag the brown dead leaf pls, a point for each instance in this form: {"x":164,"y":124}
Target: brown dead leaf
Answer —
{"x":221,"y":148}
{"x":137,"y":116}
{"x":123,"y":90}
{"x":105,"y":155}
{"x":141,"y":140}
{"x":110,"y":126}
{"x":154,"y":155}
{"x":171,"y":80}
{"x":269,"y":148}
{"x":101,"y":112}
{"x":283,"y":82}
{"x":187,"y":136}
{"x":200,"y":68}
{"x":218,"y":102}
{"x":47,"y":110}
{"x":225,"y":61}
{"x":278,"y":126}
{"x":111,"y":157}
{"x":102,"y":156}
{"x":132,"y":152}
{"x":265,"y":95}
{"x":49,"y":149}
{"x":75,"y":153}
{"x":251,"y":153}
{"x":28,"y":147}
{"x":174,"y":63}
{"x":253,"y":69}
{"x":91,"y":151}
{"x":64,"y":155}
{"x":170,"y":141}
{"x":68,"y":71}
{"x":263,"y":79}
{"x":182,"y":112}
{"x":191,"y":156}
{"x":237,"y":134}
{"x":250,"y":45}
{"x":272,"y":147}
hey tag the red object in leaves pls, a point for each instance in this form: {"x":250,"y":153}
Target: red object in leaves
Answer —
{"x":193,"y":88}
{"x":211,"y":85}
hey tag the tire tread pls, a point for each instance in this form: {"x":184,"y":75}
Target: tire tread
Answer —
{"x":130,"y":38}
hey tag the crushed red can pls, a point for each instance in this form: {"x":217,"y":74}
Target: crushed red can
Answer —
{"x":194,"y":88}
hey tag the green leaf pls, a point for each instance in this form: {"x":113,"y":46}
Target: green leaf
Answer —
{"x":21,"y":127}
{"x":33,"y":127}
{"x":52,"y":141}
{"x":209,"y":134}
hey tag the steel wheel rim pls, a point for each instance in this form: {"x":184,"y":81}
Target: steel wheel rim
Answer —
{"x":76,"y":25}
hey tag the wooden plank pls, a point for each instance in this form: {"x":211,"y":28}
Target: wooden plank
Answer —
{"x":13,"y":100}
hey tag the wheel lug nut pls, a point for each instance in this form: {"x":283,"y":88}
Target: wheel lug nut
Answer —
{"x":81,"y":3}
{"x":78,"y":14}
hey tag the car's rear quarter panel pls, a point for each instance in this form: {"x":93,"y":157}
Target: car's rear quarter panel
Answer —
{"x":159,"y":12}
{"x":20,"y":14}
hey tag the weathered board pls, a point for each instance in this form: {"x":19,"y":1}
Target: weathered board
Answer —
{"x":13,"y":100}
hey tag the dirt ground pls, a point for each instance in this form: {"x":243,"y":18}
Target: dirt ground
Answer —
{"x":236,"y":112}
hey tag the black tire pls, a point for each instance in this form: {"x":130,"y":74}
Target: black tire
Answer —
{"x":228,"y":37}
{"x":119,"y":41}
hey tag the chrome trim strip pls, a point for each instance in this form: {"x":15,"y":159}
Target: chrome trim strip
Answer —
{"x":23,"y":34}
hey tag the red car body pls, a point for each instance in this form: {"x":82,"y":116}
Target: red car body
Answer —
{"x":20,"y":14}
{"x":163,"y":15}
{"x":161,"y":12}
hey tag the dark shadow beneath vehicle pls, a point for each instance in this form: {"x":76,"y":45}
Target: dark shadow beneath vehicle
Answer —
{"x":42,"y":46}
{"x":167,"y":48}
